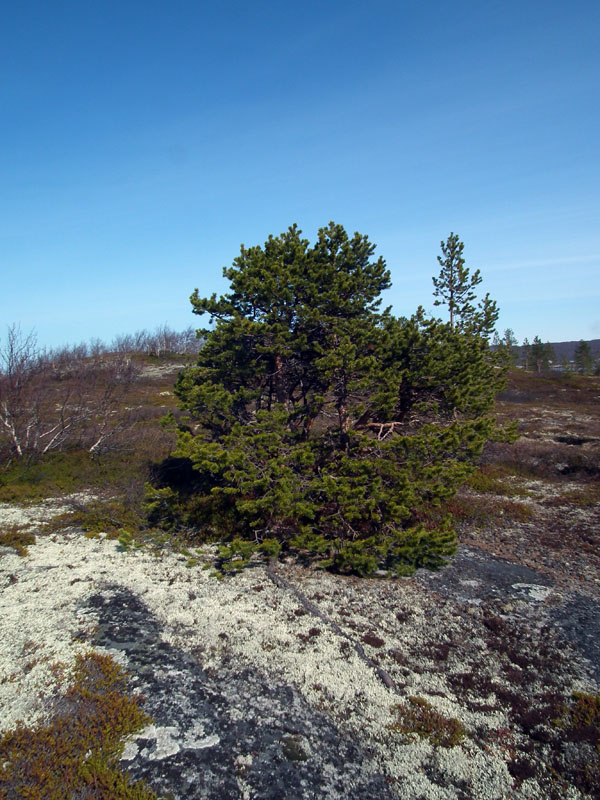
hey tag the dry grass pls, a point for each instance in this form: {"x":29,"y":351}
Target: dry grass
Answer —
{"x":537,"y":501}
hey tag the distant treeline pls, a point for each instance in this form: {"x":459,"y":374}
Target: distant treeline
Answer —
{"x":566,"y":350}
{"x":582,"y":357}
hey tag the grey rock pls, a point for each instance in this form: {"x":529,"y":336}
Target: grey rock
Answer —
{"x":231,"y":735}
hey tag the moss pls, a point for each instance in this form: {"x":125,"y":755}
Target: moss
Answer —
{"x":56,"y":473}
{"x":103,"y":516}
{"x":17,"y":538}
{"x":418,"y":717}
{"x":586,"y":712}
{"x":581,"y":719}
{"x":116,"y":518}
{"x":120,"y":518}
{"x":579,"y":722}
{"x":519,"y":512}
{"x":491,"y":479}
{"x":485,"y":510}
{"x":76,"y":753}
{"x":292,"y":749}
{"x":107,"y":517}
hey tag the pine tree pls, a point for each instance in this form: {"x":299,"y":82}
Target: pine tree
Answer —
{"x":508,"y":345}
{"x":455,"y":287}
{"x":320,"y":423}
{"x":541,"y":355}
{"x":583,"y":358}
{"x":510,"y":342}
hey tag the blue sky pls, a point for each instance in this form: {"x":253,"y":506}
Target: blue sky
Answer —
{"x":142,"y":142}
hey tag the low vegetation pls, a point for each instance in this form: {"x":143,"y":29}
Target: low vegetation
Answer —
{"x":76,"y":753}
{"x":539,"y":494}
{"x":315,"y":424}
{"x":16,"y":539}
{"x":419,"y":718}
{"x":305,"y":444}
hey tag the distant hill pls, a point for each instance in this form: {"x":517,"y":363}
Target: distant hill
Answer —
{"x":566,"y":350}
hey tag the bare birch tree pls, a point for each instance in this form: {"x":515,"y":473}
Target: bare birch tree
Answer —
{"x":53,"y":400}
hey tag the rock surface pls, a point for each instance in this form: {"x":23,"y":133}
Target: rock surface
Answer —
{"x":237,"y":733}
{"x":253,"y":695}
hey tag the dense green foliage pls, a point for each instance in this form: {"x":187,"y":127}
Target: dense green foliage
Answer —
{"x":318,"y":422}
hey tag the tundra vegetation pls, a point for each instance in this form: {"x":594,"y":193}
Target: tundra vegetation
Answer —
{"x":319,"y":423}
{"x":76,"y":753}
{"x":533,"y":502}
{"x":86,"y":417}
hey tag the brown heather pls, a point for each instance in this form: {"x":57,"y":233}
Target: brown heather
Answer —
{"x":76,"y":753}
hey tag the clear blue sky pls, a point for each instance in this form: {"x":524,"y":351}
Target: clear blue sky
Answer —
{"x":143,"y":141}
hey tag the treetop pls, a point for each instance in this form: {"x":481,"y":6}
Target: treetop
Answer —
{"x":336,"y":277}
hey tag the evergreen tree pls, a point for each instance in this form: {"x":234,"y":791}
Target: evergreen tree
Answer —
{"x":508,"y":345}
{"x":583,"y":358}
{"x":455,"y":287}
{"x":320,"y":423}
{"x":541,"y":355}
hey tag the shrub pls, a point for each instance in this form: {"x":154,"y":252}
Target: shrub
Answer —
{"x":76,"y":754}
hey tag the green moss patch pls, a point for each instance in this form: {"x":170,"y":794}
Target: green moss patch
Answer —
{"x":76,"y":754}
{"x":105,"y":517}
{"x":17,"y":538}
{"x":581,"y":720}
{"x":57,"y":473}
{"x":492,"y":479}
{"x":419,"y":718}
